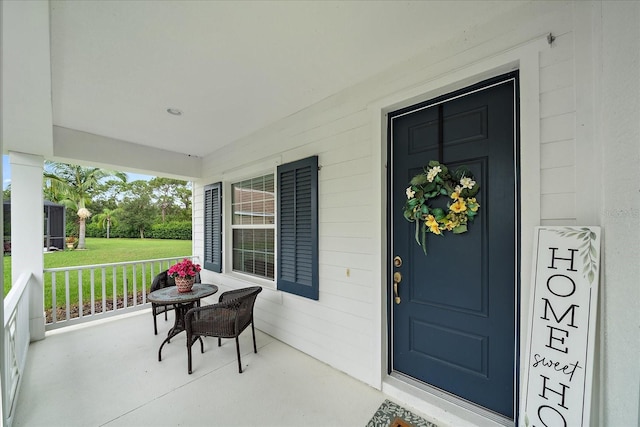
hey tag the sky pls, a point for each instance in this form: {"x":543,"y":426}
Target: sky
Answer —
{"x":6,"y":173}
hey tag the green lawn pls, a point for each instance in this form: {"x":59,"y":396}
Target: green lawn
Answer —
{"x":101,"y":251}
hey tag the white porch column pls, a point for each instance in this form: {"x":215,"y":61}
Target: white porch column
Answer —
{"x":27,"y":225}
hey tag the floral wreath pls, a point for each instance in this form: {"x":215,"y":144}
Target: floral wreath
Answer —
{"x":436,"y":181}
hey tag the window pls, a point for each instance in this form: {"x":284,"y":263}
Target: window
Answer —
{"x":253,"y":226}
{"x":254,"y":230}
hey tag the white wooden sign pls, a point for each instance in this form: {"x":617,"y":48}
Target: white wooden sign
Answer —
{"x":561,"y":341}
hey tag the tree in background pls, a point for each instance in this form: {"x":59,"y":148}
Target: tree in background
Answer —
{"x":158,"y":208}
{"x":74,"y":186}
{"x":138,"y":213}
{"x":168,"y":193}
{"x":184,"y":196}
{"x":107,"y":219}
{"x":108,"y":193}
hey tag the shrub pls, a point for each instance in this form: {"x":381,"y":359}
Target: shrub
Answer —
{"x":179,"y":230}
{"x":95,"y":230}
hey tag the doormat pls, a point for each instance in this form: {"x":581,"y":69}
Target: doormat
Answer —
{"x":390,"y":414}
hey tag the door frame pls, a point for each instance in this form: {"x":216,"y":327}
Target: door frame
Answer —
{"x":525,"y":59}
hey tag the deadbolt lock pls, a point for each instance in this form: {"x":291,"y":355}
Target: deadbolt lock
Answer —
{"x":397,"y":261}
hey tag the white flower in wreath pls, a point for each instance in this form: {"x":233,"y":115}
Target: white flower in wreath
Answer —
{"x":433,"y":172}
{"x":467,"y":182}
{"x":410,"y":193}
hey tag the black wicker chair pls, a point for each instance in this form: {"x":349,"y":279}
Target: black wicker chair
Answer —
{"x":226,"y":319}
{"x":163,"y":280}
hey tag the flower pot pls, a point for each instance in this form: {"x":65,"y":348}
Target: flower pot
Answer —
{"x":184,"y":284}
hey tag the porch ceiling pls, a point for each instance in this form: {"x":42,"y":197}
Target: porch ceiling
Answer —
{"x":231,"y":67}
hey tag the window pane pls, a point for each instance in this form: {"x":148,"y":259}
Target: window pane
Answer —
{"x":253,"y":201}
{"x":258,"y":212}
{"x":270,"y":211}
{"x":237,"y":260}
{"x":243,"y":213}
{"x":253,"y":252}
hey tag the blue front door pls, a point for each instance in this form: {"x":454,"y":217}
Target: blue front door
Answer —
{"x":454,"y":324}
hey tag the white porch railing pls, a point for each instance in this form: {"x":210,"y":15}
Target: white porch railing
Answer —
{"x":89,"y":292}
{"x":16,"y":342}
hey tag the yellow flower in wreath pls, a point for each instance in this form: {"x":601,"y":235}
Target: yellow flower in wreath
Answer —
{"x":452,"y":221}
{"x":450,"y":225}
{"x":433,"y":225}
{"x":459,"y":206}
{"x":473,"y":204}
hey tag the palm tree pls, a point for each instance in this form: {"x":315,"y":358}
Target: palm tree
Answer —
{"x":73,"y":186}
{"x":107,"y":219}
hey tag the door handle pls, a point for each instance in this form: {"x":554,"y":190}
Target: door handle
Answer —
{"x":397,"y":278}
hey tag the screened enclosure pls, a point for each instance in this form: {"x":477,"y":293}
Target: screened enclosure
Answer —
{"x":54,"y":226}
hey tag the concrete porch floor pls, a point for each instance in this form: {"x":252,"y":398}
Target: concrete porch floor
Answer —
{"x":107,"y":373}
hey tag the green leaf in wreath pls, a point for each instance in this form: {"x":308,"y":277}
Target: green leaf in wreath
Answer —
{"x":438,"y":213}
{"x":447,"y":185}
{"x":462,"y":228}
{"x":473,"y":191}
{"x":419,"y":179}
{"x":424,"y":239}
{"x":458,"y":173}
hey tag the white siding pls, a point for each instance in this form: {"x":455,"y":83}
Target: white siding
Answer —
{"x":557,"y":130}
{"x":345,"y":328}
{"x":619,"y":136}
{"x":342,"y":327}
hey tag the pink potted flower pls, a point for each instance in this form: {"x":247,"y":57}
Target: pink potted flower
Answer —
{"x":184,"y":274}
